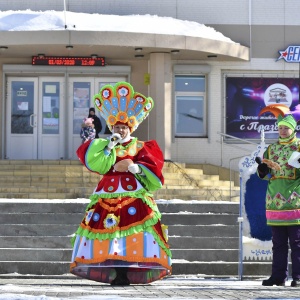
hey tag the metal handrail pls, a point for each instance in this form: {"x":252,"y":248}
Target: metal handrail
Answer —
{"x":230,"y":161}
{"x":236,"y":138}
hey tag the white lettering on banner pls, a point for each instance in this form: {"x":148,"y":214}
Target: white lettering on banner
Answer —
{"x":253,"y":126}
{"x":290,"y":54}
{"x":259,"y":127}
{"x":248,"y":117}
{"x":256,"y":126}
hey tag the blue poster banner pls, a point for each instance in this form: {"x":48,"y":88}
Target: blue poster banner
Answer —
{"x":247,"y":96}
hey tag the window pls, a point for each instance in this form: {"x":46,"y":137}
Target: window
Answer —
{"x":81,"y":104}
{"x":190,"y":120}
{"x":51,"y":104}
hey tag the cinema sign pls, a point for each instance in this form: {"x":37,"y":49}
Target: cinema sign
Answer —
{"x":291,"y":54}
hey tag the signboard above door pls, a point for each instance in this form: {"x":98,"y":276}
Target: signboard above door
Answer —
{"x":68,"y":61}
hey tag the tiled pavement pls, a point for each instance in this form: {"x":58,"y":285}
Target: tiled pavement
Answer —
{"x":173,"y":287}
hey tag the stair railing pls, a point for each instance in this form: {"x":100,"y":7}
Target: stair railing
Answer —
{"x":193,"y":182}
{"x":188,"y":178}
{"x":234,"y":158}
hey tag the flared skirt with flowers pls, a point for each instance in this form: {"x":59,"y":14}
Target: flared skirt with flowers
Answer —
{"x":123,"y":232}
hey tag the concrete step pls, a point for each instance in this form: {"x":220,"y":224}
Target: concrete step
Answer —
{"x":206,"y":190}
{"x":11,"y":206}
{"x":71,"y":191}
{"x":191,"y":243}
{"x":67,"y":218}
{"x":35,"y":242}
{"x":79,"y":205}
{"x":46,"y":193}
{"x":35,"y":267}
{"x":58,"y":179}
{"x":198,"y":219}
{"x":220,"y":268}
{"x":206,"y":255}
{"x":191,"y":196}
{"x":215,"y":230}
{"x":69,"y":179}
{"x":203,"y":236}
{"x":64,"y":254}
{"x":42,"y":218}
{"x":85,"y":192}
{"x":215,"y":269}
{"x":39,"y":195}
{"x":53,"y":230}
{"x":75,"y":218}
{"x":36,"y":254}
{"x":219,"y":207}
{"x":63,"y":242}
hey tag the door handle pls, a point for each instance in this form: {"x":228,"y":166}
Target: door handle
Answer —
{"x":31,"y":119}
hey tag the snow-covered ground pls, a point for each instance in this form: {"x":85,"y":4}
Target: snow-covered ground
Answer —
{"x":192,"y":284}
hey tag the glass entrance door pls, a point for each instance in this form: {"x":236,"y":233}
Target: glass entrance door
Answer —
{"x":22,"y":118}
{"x":83,"y":91}
{"x":34,"y":129}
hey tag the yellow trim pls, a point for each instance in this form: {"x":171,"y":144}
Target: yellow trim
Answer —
{"x":166,"y":245}
{"x":283,"y":210}
{"x":129,"y":150}
{"x":283,"y":177}
{"x":288,"y":142}
{"x":120,"y":205}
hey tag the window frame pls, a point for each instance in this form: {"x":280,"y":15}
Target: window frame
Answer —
{"x":203,"y":95}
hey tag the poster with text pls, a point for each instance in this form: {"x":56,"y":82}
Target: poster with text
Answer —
{"x":247,"y":96}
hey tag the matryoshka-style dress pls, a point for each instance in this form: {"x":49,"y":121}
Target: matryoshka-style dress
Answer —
{"x":121,"y":227}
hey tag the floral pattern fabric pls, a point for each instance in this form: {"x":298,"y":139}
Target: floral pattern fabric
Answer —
{"x":122,"y":224}
{"x":283,"y":192}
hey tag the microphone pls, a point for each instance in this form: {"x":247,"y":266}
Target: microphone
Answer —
{"x":258,"y":160}
{"x":113,"y":139}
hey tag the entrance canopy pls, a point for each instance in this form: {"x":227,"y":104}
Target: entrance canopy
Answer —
{"x":28,"y":33}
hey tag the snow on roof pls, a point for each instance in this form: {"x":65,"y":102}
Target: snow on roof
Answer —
{"x":28,"y":20}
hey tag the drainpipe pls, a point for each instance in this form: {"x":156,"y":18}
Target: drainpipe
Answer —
{"x":65,"y":14}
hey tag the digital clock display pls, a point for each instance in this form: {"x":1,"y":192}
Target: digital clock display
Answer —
{"x":68,"y":61}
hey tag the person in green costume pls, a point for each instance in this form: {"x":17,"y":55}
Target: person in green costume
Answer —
{"x":283,"y":201}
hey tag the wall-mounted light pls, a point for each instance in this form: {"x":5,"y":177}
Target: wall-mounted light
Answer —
{"x":139,"y":56}
{"x":41,"y":55}
{"x":94,"y":56}
{"x":212,"y":56}
{"x":3,"y":48}
{"x":175,"y":52}
{"x":138,"y":49}
{"x":69,"y":47}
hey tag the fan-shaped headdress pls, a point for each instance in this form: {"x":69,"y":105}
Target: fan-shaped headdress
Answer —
{"x":121,"y":104}
{"x":283,"y":114}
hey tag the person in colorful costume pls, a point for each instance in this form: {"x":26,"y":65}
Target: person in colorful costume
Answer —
{"x":283,"y":201}
{"x":121,"y":240}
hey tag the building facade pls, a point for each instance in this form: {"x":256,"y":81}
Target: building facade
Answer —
{"x":207,"y":92}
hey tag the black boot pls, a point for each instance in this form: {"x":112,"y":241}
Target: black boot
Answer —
{"x":295,"y":283}
{"x":271,"y":281}
{"x":121,"y":278}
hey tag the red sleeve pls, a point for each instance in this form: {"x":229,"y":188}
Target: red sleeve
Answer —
{"x":81,"y":151}
{"x":152,"y":158}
